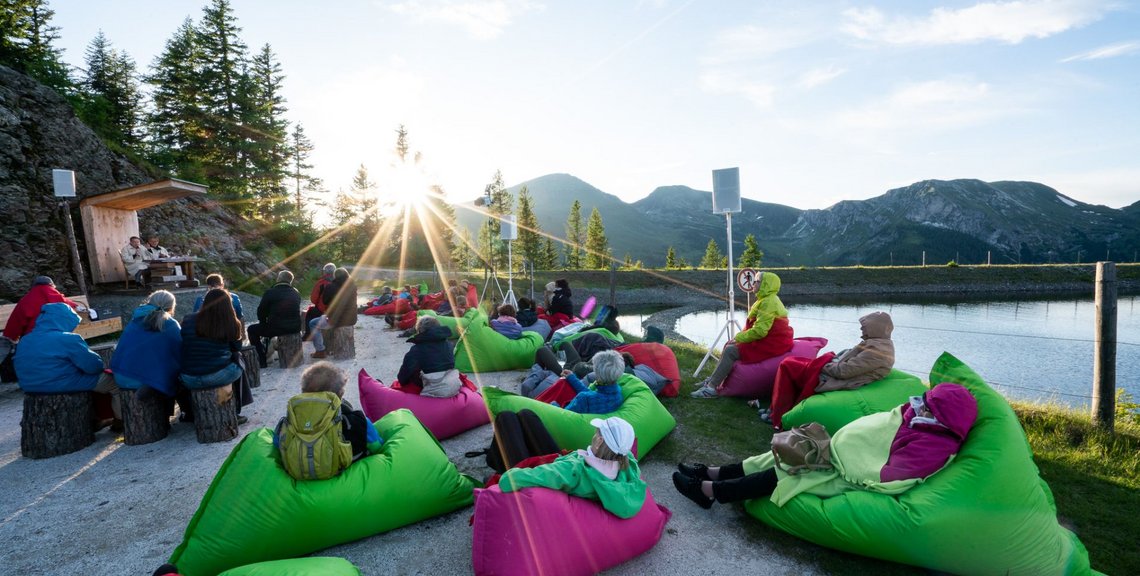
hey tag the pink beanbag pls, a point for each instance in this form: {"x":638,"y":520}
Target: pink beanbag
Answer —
{"x":543,"y":531}
{"x":661,"y":359}
{"x":756,"y":380}
{"x":444,"y":417}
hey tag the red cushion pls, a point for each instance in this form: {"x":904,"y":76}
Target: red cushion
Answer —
{"x":445,"y":417}
{"x":661,"y":359}
{"x":398,"y":306}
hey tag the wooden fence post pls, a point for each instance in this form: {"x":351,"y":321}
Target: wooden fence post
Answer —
{"x":1104,"y":348}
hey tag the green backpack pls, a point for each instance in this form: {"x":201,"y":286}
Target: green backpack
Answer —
{"x":309,"y":438}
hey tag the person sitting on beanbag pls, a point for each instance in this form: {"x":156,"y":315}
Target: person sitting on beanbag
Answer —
{"x":355,"y":427}
{"x":606,"y":471}
{"x":429,"y":367}
{"x":604,"y":395}
{"x":917,"y":439}
{"x":506,"y":323}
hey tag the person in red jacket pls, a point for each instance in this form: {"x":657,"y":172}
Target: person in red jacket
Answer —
{"x":23,"y":317}
{"x":317,"y":309}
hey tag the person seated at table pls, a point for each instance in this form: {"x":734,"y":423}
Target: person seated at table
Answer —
{"x":211,"y":352}
{"x":340,"y":306}
{"x":23,"y":317}
{"x":278,"y":314}
{"x":604,"y":395}
{"x":216,"y":281}
{"x":429,"y":365}
{"x":52,"y":359}
{"x":606,"y":471}
{"x":506,"y":324}
{"x":134,"y":259}
{"x":153,"y":250}
{"x":148,"y":357}
{"x":317,"y":303}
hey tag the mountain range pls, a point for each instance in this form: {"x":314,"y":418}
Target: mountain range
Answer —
{"x":967,"y":221}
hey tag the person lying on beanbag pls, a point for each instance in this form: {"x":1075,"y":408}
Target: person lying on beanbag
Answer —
{"x":918,"y":439}
{"x":606,"y":471}
{"x":604,"y":396}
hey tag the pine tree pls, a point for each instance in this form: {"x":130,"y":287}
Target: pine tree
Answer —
{"x":422,"y":234}
{"x":222,"y":77}
{"x":670,"y":259}
{"x":597,"y":245}
{"x":752,"y":256}
{"x":176,"y":123}
{"x":713,"y":257}
{"x":266,"y":134}
{"x":490,"y":241}
{"x":575,"y":237}
{"x":529,"y":243}
{"x":462,"y":253}
{"x":26,"y":42}
{"x":548,"y":259}
{"x":304,"y":183}
{"x":110,"y":101}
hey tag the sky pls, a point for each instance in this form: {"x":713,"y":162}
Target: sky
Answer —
{"x":815,"y":102}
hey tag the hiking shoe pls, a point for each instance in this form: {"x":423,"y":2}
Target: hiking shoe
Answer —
{"x":698,"y":471}
{"x":242,"y":419}
{"x":704,"y":392}
{"x":691,"y":489}
{"x":407,"y":333}
{"x":766,"y":417}
{"x":320,"y":354}
{"x":117,"y":425}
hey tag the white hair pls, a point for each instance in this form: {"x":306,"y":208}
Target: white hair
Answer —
{"x":608,"y":366}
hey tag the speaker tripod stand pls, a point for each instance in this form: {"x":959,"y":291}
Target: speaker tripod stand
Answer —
{"x":729,"y":322}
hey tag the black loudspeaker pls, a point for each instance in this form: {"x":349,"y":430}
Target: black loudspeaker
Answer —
{"x":509,"y":230}
{"x":726,"y":190}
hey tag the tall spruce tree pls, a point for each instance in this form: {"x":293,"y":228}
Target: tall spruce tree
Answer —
{"x":575,"y":237}
{"x":597,"y":245}
{"x":267,"y":134}
{"x":712,"y":258}
{"x":222,"y":77}
{"x":548,"y":258}
{"x":670,"y":259}
{"x":529,"y":243}
{"x":26,"y":42}
{"x":490,"y":241}
{"x":752,"y":255}
{"x":176,"y":123}
{"x":304,"y":183}
{"x":110,"y":100}
{"x":462,"y":253}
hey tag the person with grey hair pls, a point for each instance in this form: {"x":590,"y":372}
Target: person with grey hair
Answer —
{"x":148,"y":357}
{"x":355,"y":427}
{"x":316,"y":297}
{"x":604,"y":396}
{"x":429,"y":367}
{"x":278,"y":314}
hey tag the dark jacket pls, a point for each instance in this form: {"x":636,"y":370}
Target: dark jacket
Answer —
{"x":340,"y":302}
{"x":526,"y":317}
{"x":200,"y":355}
{"x":280,"y":309}
{"x":52,"y":359}
{"x":431,"y":352}
{"x":560,"y":302}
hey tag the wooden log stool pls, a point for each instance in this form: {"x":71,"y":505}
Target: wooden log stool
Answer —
{"x":56,"y":424}
{"x":289,"y":353}
{"x":215,"y":413}
{"x":105,"y":351}
{"x":252,"y":366}
{"x":144,"y":421}
{"x":340,"y":342}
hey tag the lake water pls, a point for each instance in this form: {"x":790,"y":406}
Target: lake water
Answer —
{"x":1039,"y":350}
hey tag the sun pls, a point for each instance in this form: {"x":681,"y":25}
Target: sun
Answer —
{"x":407,"y":189}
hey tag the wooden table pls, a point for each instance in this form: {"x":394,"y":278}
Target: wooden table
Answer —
{"x":167,"y":264}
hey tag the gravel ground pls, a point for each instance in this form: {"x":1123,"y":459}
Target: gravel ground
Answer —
{"x":114,"y":509}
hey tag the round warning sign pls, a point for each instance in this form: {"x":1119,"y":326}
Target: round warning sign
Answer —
{"x":748,"y":279}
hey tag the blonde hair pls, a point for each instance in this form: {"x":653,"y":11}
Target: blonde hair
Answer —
{"x":601,"y":450}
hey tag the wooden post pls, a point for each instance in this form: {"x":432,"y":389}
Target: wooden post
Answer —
{"x":289,"y":353}
{"x":144,"y":421}
{"x":613,"y":283}
{"x":215,"y":414}
{"x":252,"y":366}
{"x":340,"y":342}
{"x":1104,"y":348}
{"x":76,"y":265}
{"x":56,"y":424}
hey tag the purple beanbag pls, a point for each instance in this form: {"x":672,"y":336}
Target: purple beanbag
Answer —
{"x":543,"y":531}
{"x":756,"y":380}
{"x":444,"y":417}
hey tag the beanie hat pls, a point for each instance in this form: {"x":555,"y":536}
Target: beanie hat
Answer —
{"x":43,"y":280}
{"x":654,"y":334}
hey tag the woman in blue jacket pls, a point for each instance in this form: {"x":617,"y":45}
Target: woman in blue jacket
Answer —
{"x":149,"y":354}
{"x":52,"y":359}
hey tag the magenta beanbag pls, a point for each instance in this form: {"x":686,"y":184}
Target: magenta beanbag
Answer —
{"x":756,"y":380}
{"x":543,"y":531}
{"x":444,"y":417}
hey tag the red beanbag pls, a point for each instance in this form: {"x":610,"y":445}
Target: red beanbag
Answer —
{"x":444,"y":417}
{"x":397,"y":306}
{"x":543,"y":531}
{"x":756,"y":380}
{"x":661,"y":359}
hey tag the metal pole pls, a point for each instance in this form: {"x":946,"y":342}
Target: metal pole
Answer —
{"x":613,"y":283}
{"x":76,"y":265}
{"x":731,"y":292}
{"x":1104,"y":348}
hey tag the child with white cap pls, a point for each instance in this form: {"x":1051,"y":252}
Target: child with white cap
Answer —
{"x":605,"y":471}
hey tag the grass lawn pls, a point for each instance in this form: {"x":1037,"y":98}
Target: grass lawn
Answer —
{"x":1095,"y":477}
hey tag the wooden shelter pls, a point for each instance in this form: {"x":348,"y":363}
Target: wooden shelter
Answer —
{"x":111,"y":218}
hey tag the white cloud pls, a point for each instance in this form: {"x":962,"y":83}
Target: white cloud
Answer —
{"x":1009,"y":22}
{"x":1115,"y":187}
{"x":751,"y":42}
{"x":730,"y":82}
{"x":819,"y":77}
{"x":1109,"y":51}
{"x":923,"y":108}
{"x":483,"y":19}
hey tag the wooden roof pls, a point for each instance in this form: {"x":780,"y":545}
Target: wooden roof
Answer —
{"x":145,"y":195}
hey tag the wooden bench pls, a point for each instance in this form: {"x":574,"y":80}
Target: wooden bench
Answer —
{"x":87,"y":329}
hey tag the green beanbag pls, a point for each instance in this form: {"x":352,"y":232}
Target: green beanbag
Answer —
{"x":481,"y":349}
{"x":254,"y":511}
{"x":986,"y":512}
{"x":640,"y":407}
{"x":457,"y":325}
{"x":601,"y":331}
{"x":839,"y":408}
{"x":317,"y":566}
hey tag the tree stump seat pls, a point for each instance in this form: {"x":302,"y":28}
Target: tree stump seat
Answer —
{"x":289,"y":353}
{"x":252,"y":366}
{"x":340,"y":342}
{"x":215,"y":413}
{"x":56,"y":424}
{"x":144,"y":421}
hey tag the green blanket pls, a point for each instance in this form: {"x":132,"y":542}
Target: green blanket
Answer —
{"x":839,"y":408}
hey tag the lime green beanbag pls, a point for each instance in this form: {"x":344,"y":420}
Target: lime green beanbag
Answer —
{"x":839,"y":408}
{"x":457,"y":325}
{"x":640,"y":407}
{"x":986,"y":512}
{"x":601,"y":331}
{"x":317,"y":566}
{"x":254,"y":511}
{"x":481,"y":349}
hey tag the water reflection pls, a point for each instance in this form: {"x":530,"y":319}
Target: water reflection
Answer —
{"x":1034,"y":350}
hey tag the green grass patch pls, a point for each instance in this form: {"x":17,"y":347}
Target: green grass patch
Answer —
{"x":1095,"y":477}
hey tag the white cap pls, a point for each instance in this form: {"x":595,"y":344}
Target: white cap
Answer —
{"x":550,"y":286}
{"x":617,"y":433}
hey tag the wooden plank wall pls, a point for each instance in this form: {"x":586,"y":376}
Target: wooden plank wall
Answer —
{"x":106,"y":230}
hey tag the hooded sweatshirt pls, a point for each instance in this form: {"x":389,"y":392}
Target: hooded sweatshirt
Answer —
{"x":870,"y":360}
{"x":766,"y":333}
{"x":148,"y":358}
{"x":52,"y":359}
{"x":431,"y":352}
{"x":23,"y":317}
{"x":623,"y":496}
